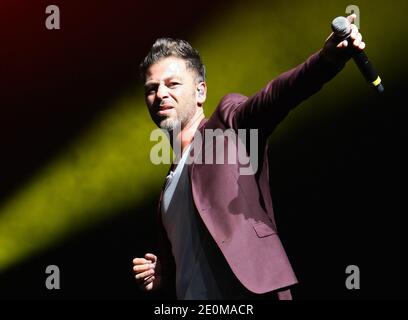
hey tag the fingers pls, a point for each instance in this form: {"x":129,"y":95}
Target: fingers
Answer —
{"x":137,"y":261}
{"x":143,"y":267}
{"x":354,"y":31}
{"x":149,"y":283}
{"x":144,"y":275}
{"x":151,"y":257}
{"x":343,"y":44}
{"x":148,"y":280}
{"x":357,"y":38}
{"x":352,"y":17}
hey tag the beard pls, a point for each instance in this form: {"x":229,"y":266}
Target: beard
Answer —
{"x":183,"y":116}
{"x":170,"y":124}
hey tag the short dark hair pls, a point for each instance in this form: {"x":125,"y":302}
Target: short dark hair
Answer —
{"x":168,"y":47}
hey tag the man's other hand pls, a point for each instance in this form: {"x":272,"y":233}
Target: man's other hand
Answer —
{"x":146,"y":271}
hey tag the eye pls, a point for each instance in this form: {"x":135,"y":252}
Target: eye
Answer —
{"x":174,"y":84}
{"x":150,"y":90}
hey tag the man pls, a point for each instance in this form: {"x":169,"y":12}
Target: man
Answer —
{"x":219,"y":238}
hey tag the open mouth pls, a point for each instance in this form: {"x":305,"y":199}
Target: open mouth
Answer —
{"x":164,"y":109}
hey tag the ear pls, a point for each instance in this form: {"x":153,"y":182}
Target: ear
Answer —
{"x":201,"y":93}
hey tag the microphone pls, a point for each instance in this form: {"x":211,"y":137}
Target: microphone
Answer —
{"x":341,"y":28}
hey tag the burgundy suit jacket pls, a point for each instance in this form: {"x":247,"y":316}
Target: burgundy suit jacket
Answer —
{"x":237,"y":209}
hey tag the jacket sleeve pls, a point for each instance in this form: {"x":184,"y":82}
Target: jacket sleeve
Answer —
{"x":268,"y":107}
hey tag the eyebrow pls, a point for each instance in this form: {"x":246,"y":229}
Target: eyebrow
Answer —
{"x":152,"y":82}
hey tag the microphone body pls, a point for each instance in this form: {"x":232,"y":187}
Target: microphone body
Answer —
{"x":341,"y":28}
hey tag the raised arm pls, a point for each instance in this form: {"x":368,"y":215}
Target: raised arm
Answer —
{"x":268,"y":107}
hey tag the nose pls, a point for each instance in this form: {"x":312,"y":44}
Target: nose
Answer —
{"x":162,"y":92}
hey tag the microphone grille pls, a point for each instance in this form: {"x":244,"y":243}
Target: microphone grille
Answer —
{"x":341,"y":26}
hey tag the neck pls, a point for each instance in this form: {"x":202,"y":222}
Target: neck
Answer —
{"x":186,"y":135}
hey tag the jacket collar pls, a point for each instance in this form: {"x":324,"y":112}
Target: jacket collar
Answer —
{"x":202,"y":123}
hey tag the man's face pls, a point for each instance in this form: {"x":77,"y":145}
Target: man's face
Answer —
{"x":171,"y":93}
